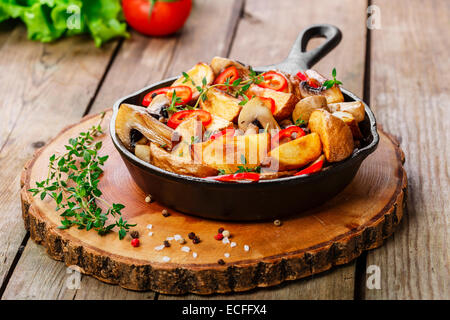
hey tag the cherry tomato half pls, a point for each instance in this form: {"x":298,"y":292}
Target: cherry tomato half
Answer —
{"x":316,"y":166}
{"x":180,"y":116}
{"x":286,"y":135}
{"x":243,"y":176}
{"x":165,"y":17}
{"x":275,"y":81}
{"x":184,"y":92}
{"x":228,"y":132}
{"x":230,"y":73}
{"x":270,"y":103}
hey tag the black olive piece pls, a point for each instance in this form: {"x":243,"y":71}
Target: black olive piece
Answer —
{"x":135,"y":136}
{"x":257,"y":123}
{"x":164,"y":113}
{"x":154,"y":94}
{"x":313,"y":90}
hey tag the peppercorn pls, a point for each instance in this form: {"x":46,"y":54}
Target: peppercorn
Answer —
{"x":196,"y":240}
{"x":134,"y":234}
{"x":277,"y":223}
{"x":191,"y":235}
{"x":135,"y":242}
{"x":220,"y":230}
{"x":165,"y":213}
{"x":166,"y":243}
{"x":221,"y":262}
{"x":218,"y":236}
{"x":226,"y":233}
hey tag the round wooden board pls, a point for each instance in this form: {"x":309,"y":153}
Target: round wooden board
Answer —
{"x":357,"y":219}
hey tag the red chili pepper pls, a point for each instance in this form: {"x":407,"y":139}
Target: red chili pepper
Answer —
{"x":311,"y":82}
{"x":218,"y":236}
{"x":246,"y":176}
{"x":230,"y":73}
{"x":184,"y":92}
{"x":316,"y":166}
{"x":274,"y":80}
{"x":302,"y":76}
{"x":135,"y":242}
{"x":270,"y":103}
{"x":229,"y":132}
{"x":286,"y":134}
{"x":180,"y":116}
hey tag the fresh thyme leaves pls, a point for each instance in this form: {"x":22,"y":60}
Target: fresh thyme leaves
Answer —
{"x":330,"y":83}
{"x":300,"y":122}
{"x":175,"y":99}
{"x":72,"y":181}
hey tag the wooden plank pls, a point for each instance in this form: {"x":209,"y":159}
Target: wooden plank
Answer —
{"x":44,"y":88}
{"x":145,"y":60}
{"x":410,"y":94}
{"x":265,"y":36}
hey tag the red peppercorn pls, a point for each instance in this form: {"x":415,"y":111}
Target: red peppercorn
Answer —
{"x":135,"y":242}
{"x":218,"y":236}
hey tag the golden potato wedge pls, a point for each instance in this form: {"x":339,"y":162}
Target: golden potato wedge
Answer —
{"x":188,"y":132}
{"x":297,"y":153}
{"x":218,"y":124}
{"x":170,"y":162}
{"x":131,"y":117}
{"x":351,"y":122}
{"x":142,"y":151}
{"x":284,"y":102}
{"x":336,"y":136}
{"x":197,"y":73}
{"x":306,"y":106}
{"x":230,"y":153}
{"x":356,"y":108}
{"x":221,"y":104}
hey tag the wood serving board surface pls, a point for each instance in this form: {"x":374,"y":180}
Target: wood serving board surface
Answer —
{"x":357,"y":219}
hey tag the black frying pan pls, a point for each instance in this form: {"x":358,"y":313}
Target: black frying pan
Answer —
{"x":266,"y":199}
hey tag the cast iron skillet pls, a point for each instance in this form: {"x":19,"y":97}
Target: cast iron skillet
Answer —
{"x":266,"y":199}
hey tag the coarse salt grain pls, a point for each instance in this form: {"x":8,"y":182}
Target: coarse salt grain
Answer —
{"x":166,"y":259}
{"x":185,"y":249}
{"x":150,"y":234}
{"x":149,"y":226}
{"x":246,"y":248}
{"x":227,"y":255}
{"x":177,"y":237}
{"x":159,"y":248}
{"x":225,"y":240}
{"x":233,"y":244}
{"x":194,"y":254}
{"x":169,"y":238}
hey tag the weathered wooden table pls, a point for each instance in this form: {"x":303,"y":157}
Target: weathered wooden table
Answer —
{"x":401,"y":69}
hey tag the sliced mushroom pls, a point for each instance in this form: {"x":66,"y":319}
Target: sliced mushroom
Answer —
{"x":132,"y":118}
{"x":255,"y":111}
{"x":218,"y":64}
{"x":158,"y":107}
{"x":306,"y":106}
{"x":332,"y":95}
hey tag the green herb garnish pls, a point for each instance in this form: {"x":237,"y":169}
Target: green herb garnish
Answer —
{"x":72,"y":181}
{"x":300,"y":122}
{"x":330,"y":83}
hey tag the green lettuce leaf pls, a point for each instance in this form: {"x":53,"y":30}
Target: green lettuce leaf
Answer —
{"x":48,"y":20}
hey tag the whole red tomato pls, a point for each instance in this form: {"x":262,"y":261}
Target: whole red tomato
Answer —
{"x":156,"y":17}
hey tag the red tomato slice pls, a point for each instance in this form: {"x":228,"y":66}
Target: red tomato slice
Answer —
{"x":270,"y":103}
{"x":286,"y":135}
{"x":243,"y":176}
{"x":275,"y":81}
{"x":184,"y":92}
{"x":316,"y":166}
{"x":180,"y":116}
{"x":230,"y":73}
{"x":228,"y":132}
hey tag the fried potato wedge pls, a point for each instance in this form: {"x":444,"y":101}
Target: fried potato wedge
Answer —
{"x":356,"y":108}
{"x":221,"y":104}
{"x":170,"y":162}
{"x":336,"y":136}
{"x":231,"y":153}
{"x":142,"y":151}
{"x":306,"y":106}
{"x":197,"y":73}
{"x":131,"y":117}
{"x":297,"y":153}
{"x":188,"y":132}
{"x":351,"y":122}
{"x":218,"y":124}
{"x":284,"y":102}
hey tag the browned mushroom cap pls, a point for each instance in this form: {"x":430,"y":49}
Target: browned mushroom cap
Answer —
{"x":157,"y":107}
{"x":306,"y":106}
{"x":256,"y":112}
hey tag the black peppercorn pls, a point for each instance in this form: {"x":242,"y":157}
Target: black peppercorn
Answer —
{"x":196,"y":240}
{"x":134,"y":234}
{"x":191,"y":235}
{"x":166,"y":243}
{"x":221,"y":262}
{"x":220,"y":230}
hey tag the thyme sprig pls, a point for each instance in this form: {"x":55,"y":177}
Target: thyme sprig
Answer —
{"x":72,"y":181}
{"x":330,"y":83}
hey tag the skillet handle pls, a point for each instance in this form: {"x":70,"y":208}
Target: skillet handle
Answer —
{"x":299,"y":58}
